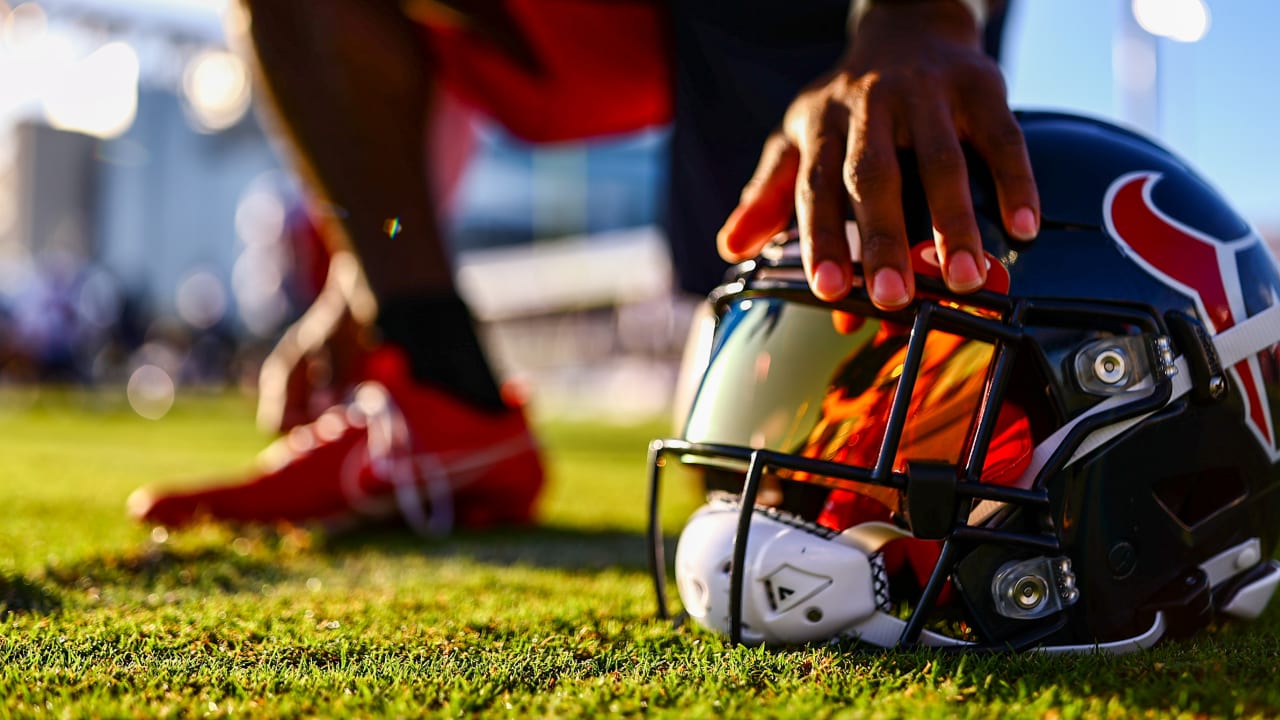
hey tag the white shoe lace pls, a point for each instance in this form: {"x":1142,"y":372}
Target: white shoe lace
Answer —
{"x":423,"y":484}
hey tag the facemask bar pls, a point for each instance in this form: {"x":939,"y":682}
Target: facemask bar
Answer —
{"x":956,"y":490}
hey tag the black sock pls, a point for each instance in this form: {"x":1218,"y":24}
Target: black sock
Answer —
{"x":439,"y":336}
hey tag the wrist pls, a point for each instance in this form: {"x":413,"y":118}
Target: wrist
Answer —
{"x":954,"y":20}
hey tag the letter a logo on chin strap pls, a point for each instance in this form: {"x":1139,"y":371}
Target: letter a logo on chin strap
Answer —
{"x":1194,"y":264}
{"x":788,"y":586}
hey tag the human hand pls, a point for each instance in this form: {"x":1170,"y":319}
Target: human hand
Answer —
{"x":321,"y":356}
{"x":914,"y":76}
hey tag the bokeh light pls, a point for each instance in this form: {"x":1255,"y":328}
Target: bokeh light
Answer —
{"x":25,"y":25}
{"x":1181,"y":20}
{"x":98,"y":95}
{"x":217,"y":90}
{"x":201,"y":300}
{"x":257,"y":281}
{"x":150,"y":392}
{"x":260,"y":214}
{"x":33,"y":59}
{"x":258,"y":276}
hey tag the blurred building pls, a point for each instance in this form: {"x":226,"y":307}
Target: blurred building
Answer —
{"x":143,"y":212}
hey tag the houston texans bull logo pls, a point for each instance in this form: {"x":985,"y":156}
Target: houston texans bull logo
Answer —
{"x":1200,"y":266}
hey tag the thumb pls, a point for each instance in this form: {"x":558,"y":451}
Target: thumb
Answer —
{"x":767,"y":203}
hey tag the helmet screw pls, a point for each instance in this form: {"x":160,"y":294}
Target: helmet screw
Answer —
{"x":1111,"y":366}
{"x":813,"y":615}
{"x":1217,"y":386}
{"x":1122,"y":558}
{"x":1029,"y":592}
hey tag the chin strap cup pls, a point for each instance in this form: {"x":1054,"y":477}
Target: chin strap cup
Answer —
{"x":803,"y":582}
{"x":1249,"y":595}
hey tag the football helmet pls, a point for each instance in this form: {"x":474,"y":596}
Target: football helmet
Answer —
{"x":1080,"y":456}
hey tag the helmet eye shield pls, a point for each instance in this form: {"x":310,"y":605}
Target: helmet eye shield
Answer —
{"x":863,"y":392}
{"x":794,"y":378}
{"x":929,"y":381}
{"x":923,"y":390}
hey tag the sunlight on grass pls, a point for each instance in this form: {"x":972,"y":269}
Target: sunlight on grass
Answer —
{"x":106,"y":618}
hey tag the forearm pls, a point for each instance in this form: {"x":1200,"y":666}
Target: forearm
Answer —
{"x":349,"y":84}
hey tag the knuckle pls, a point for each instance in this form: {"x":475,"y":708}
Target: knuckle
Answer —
{"x":868,"y":174}
{"x":774,"y":145}
{"x":878,"y":242}
{"x":815,"y":115}
{"x":825,"y":241}
{"x":1019,"y":182}
{"x":825,"y":169}
{"x":980,"y":75}
{"x":1006,"y":138}
{"x":876,"y":90}
{"x":879,"y":245}
{"x":750,"y":190}
{"x":806,"y":196}
{"x":944,"y":159}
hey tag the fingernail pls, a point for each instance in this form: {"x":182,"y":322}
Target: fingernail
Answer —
{"x":722,"y":244}
{"x":828,"y":281}
{"x":1024,"y":224}
{"x":888,"y":289}
{"x":724,"y":238}
{"x":962,"y":272}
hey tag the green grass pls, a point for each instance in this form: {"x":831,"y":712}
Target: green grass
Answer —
{"x":104,"y":620}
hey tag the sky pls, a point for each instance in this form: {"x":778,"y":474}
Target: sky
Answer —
{"x":1219,"y":98}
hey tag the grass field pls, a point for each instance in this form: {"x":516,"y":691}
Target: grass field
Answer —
{"x":105,"y":618}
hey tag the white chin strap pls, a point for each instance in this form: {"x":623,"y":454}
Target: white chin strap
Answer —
{"x":803,"y":583}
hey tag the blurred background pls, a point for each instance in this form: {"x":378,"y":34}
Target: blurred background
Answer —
{"x":152,"y":243}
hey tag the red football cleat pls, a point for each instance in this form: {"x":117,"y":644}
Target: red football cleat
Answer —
{"x":398,"y":449}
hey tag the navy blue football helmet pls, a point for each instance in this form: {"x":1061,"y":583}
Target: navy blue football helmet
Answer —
{"x":1080,"y":456}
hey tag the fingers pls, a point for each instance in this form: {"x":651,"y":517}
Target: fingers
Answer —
{"x":874,"y":183}
{"x":821,"y":200}
{"x":803,"y":169}
{"x":996,"y":136}
{"x":767,"y":202}
{"x":945,"y":176}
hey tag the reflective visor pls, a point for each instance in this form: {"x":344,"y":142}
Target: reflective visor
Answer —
{"x":808,"y":381}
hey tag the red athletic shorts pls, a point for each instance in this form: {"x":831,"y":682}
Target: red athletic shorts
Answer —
{"x":605,"y":68}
